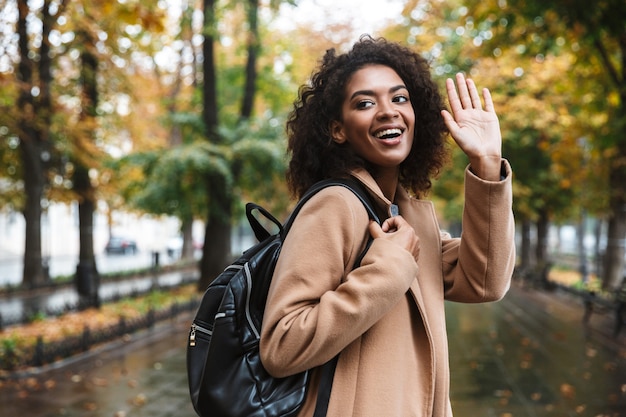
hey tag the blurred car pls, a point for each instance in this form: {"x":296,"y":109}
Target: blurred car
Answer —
{"x":121,"y":245}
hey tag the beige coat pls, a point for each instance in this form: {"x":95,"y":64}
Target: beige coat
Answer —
{"x":387,"y":316}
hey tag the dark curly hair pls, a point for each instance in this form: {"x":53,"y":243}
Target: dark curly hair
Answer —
{"x":315,"y":156}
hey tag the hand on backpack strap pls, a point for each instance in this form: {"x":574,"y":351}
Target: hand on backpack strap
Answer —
{"x":397,"y":230}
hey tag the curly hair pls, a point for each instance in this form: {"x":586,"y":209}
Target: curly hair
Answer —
{"x":315,"y":156}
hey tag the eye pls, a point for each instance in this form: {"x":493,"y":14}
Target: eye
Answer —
{"x":400,"y":98}
{"x":364,"y":104}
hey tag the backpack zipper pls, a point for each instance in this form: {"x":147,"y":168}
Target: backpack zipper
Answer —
{"x":192,"y":334}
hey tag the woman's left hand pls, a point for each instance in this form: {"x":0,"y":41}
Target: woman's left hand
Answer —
{"x":474,"y":129}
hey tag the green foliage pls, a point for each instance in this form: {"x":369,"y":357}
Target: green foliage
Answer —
{"x":176,"y":181}
{"x":37,"y":316}
{"x":10,"y":351}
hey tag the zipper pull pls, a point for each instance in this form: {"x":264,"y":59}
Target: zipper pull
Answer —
{"x":192,"y":336}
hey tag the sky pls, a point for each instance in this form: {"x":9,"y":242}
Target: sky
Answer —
{"x":366,"y":15}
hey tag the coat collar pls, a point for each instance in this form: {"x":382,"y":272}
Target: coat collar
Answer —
{"x":390,"y":208}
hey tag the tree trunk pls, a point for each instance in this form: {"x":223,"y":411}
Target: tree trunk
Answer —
{"x":216,"y":250}
{"x":583,"y":264}
{"x":525,"y":256}
{"x":32,"y":149}
{"x":33,"y":273}
{"x":209,"y":88}
{"x":616,"y":234}
{"x":614,"y":256}
{"x":217,"y":236}
{"x":541,"y":251}
{"x":247,"y":102}
{"x":87,"y":277}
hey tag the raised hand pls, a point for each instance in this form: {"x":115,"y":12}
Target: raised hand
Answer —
{"x":474,"y":129}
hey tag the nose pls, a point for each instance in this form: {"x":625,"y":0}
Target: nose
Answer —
{"x":387,"y":111}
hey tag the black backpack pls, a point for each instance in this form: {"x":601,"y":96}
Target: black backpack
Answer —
{"x":224,"y":370}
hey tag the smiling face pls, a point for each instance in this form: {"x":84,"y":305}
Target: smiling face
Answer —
{"x":377,"y":117}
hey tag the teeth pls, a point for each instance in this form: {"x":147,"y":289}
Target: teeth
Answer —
{"x":388,"y":132}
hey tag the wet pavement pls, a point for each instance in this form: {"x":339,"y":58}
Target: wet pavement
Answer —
{"x":527,"y":356}
{"x":531,"y":355}
{"x":143,"y":375}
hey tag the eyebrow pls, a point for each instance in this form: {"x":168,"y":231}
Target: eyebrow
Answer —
{"x":372,"y":93}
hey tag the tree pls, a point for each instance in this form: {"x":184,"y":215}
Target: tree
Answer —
{"x":216,"y":249}
{"x":87,"y":278}
{"x":247,"y":102}
{"x":595,"y":35}
{"x":532,"y":98}
{"x":35,"y":112}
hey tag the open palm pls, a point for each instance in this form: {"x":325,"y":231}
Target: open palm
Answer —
{"x":475,"y":129}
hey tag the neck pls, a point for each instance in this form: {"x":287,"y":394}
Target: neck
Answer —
{"x":387,"y":180}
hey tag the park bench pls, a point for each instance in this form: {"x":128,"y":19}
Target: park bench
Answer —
{"x":614,"y":302}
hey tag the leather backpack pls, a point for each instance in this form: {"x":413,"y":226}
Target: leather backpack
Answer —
{"x":225,"y":374}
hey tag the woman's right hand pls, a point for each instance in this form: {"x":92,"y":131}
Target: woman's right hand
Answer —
{"x":397,"y":230}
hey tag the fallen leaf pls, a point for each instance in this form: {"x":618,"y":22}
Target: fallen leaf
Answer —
{"x":99,"y":382}
{"x":32,"y":383}
{"x":90,"y":406}
{"x":139,"y":400}
{"x":591,"y":352}
{"x":568,"y":391}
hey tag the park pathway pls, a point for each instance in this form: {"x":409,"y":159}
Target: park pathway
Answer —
{"x":526,"y":356}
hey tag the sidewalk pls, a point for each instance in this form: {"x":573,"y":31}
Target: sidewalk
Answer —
{"x":526,"y":356}
{"x":530,"y":355}
{"x":143,"y":375}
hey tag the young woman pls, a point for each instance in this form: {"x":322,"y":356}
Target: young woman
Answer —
{"x":374,"y":114}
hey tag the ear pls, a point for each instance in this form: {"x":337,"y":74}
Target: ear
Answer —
{"x":337,"y":133}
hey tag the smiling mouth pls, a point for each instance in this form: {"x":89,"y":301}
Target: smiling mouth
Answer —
{"x":388,"y":134}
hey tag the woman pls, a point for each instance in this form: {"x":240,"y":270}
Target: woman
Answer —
{"x":375,"y":114}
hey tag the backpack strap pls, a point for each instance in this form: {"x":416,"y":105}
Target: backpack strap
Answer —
{"x":353,"y":185}
{"x":328,"y":369}
{"x":326,"y":385}
{"x":260,"y":232}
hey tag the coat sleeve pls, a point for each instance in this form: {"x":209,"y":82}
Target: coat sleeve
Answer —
{"x":317,"y":304}
{"x":478,"y":266}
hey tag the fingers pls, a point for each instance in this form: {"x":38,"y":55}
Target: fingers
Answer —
{"x":397,"y":230}
{"x":375,"y":230}
{"x":473,"y":92}
{"x":453,"y":96}
{"x":465,"y":95}
{"x":488,"y":100}
{"x":448,"y":119}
